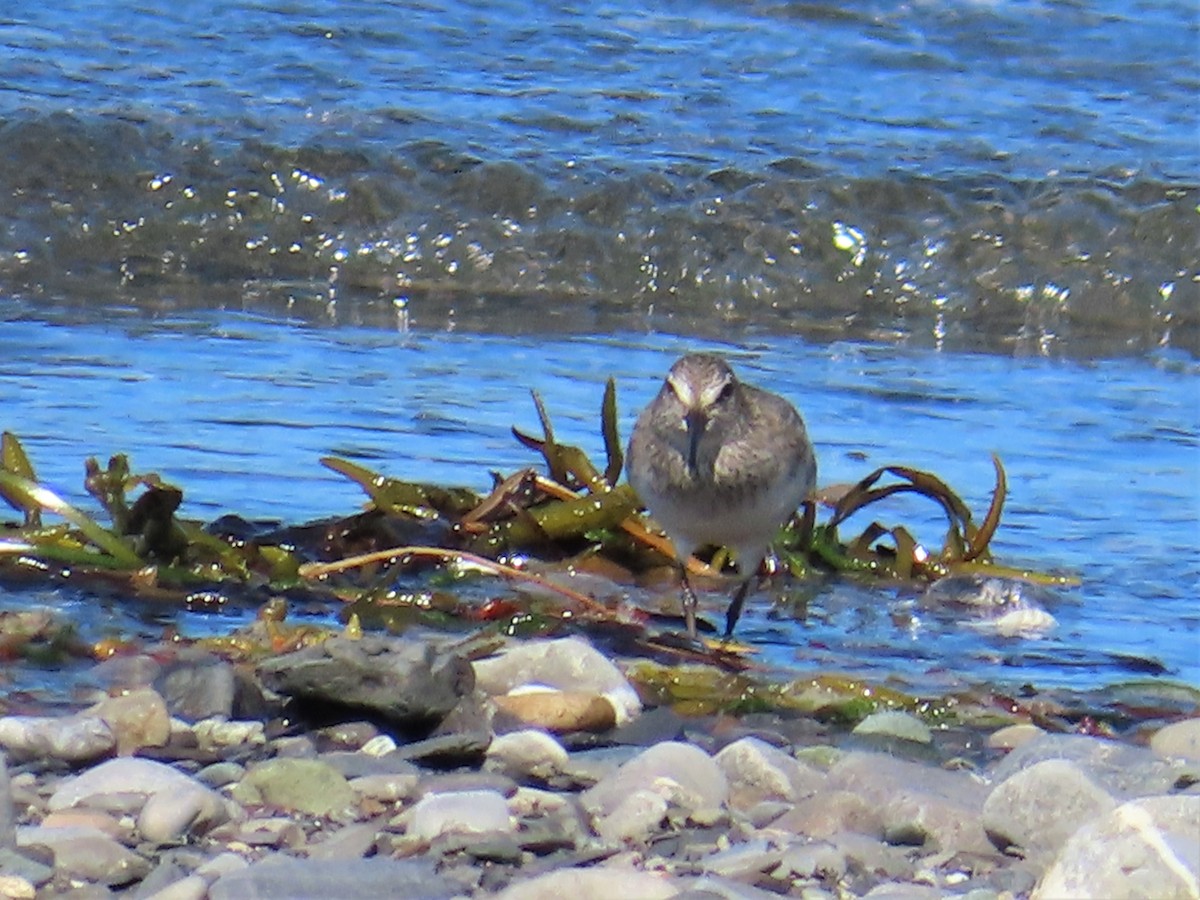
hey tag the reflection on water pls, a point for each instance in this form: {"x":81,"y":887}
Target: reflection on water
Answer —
{"x":1101,"y":460}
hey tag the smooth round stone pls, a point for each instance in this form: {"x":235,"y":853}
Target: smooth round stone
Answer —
{"x":1040,"y":807}
{"x":895,"y":724}
{"x":87,"y":854}
{"x":561,"y":712}
{"x":1012,"y":736}
{"x":216,"y":734}
{"x":460,"y":812}
{"x":1181,"y":739}
{"x":282,"y":878}
{"x":567,"y":664}
{"x":193,"y":887}
{"x":638,"y":817}
{"x":526,"y":754}
{"x":220,"y":774}
{"x":168,"y":816}
{"x":125,"y":776}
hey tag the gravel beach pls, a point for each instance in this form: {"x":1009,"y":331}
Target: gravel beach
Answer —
{"x":388,"y":767}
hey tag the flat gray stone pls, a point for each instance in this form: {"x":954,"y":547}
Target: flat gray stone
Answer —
{"x":1145,"y":848}
{"x":409,"y":683}
{"x":598,"y":883}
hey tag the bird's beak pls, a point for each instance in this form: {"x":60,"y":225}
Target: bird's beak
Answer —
{"x":696,"y":422}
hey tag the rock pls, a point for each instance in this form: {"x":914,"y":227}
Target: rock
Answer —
{"x":24,"y":867}
{"x":8,"y":822}
{"x":1145,"y":848}
{"x":526,"y":754}
{"x":408,"y":683}
{"x":85,"y":853}
{"x":177,"y":803}
{"x":199,"y":687}
{"x":638,"y":817}
{"x":213,"y":734}
{"x":352,"y":842}
{"x":746,"y":860}
{"x":388,"y":787}
{"x":895,"y":724}
{"x":137,"y":719}
{"x":1012,"y":736}
{"x":1180,"y":739}
{"x":559,"y":711}
{"x":1122,"y":769}
{"x":818,"y":859}
{"x":193,"y":887}
{"x":73,"y":739}
{"x":14,"y":887}
{"x":756,"y":771}
{"x":918,"y":804}
{"x":302,"y":785}
{"x":683,"y":774}
{"x":277,"y":878}
{"x":831,"y":812}
{"x":1038,"y":808}
{"x":460,"y":812}
{"x":567,"y":664}
{"x":598,"y":883}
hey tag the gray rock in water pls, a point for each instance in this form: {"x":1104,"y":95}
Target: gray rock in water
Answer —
{"x":278,"y":878}
{"x":1039,"y":808}
{"x":408,"y":683}
{"x":1147,"y":848}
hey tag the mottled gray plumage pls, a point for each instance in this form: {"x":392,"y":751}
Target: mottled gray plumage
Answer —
{"x":719,"y":462}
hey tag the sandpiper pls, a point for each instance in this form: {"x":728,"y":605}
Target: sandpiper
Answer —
{"x":719,"y":462}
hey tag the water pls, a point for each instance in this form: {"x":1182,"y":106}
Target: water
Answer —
{"x":237,"y":239}
{"x":996,"y":174}
{"x":1101,"y":459}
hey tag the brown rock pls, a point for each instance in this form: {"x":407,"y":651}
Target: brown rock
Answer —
{"x":560,"y":711}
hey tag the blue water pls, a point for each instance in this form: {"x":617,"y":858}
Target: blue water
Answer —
{"x":1101,"y":458}
{"x":1025,"y":86}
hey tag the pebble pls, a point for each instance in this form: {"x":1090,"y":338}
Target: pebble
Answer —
{"x":301,"y":785}
{"x":567,"y":664}
{"x":895,"y":724}
{"x":72,"y":739}
{"x":661,"y":805}
{"x":1179,"y":739}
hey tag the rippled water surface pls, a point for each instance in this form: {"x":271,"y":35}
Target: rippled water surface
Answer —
{"x":1101,"y":460}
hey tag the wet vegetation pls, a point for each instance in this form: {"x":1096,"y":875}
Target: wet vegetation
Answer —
{"x":422,"y":554}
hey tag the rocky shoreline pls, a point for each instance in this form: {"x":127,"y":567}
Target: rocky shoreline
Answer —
{"x":370,"y":766}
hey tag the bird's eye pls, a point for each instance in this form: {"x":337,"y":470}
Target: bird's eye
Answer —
{"x":726,"y":391}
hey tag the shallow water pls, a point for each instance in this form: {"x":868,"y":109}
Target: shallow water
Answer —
{"x":237,"y":409}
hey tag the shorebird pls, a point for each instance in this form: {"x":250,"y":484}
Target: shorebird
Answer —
{"x":719,"y":462}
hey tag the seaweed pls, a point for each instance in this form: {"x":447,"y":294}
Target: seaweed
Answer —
{"x":534,"y":528}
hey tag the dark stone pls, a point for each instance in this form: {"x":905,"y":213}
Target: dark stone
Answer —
{"x":407,"y":684}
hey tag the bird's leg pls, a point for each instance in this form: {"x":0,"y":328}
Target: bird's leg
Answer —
{"x":735,"y":607}
{"x":689,"y":602}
